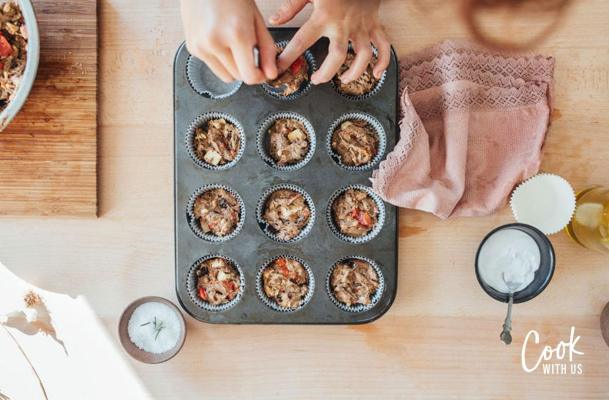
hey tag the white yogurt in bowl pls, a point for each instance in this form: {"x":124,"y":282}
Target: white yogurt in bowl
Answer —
{"x":509,"y":255}
{"x":516,"y":258}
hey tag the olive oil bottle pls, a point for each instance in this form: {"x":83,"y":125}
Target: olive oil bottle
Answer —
{"x":590,"y":224}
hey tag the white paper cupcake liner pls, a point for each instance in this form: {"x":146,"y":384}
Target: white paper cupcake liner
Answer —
{"x":204,"y":82}
{"x":378,"y":129}
{"x":377,"y":227}
{"x":360,"y":307}
{"x":191,"y":285}
{"x":200,"y":121}
{"x":545,"y":201}
{"x":261,"y":140}
{"x":193,"y":221}
{"x":267,"y":229}
{"x":305,"y":87}
{"x":272,"y":304}
{"x":364,"y":96}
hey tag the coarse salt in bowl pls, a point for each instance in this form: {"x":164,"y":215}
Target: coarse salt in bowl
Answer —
{"x":152,"y":330}
{"x":154,"y":327}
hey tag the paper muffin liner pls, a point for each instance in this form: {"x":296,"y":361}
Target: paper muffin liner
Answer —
{"x":377,"y":227}
{"x":261,"y":142}
{"x":375,"y":89}
{"x":360,"y":307}
{"x":196,"y":79}
{"x":193,"y":220}
{"x":200,"y":121}
{"x":270,"y":303}
{"x":267,"y":229}
{"x":191,"y":285}
{"x":545,"y":201}
{"x":304,"y":87}
{"x":378,"y":129}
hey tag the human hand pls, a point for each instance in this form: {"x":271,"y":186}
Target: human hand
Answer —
{"x":340,"y":21}
{"x":224,"y":33}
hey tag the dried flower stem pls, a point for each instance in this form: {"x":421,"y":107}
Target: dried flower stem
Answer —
{"x":28,"y":361}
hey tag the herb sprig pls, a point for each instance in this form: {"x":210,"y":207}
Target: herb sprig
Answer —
{"x":157,"y":327}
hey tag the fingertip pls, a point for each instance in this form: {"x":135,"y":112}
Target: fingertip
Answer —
{"x":345,"y":78}
{"x":282,"y":65}
{"x":317,"y":79}
{"x":274,"y":19}
{"x":378,"y":72}
{"x":271,"y":73}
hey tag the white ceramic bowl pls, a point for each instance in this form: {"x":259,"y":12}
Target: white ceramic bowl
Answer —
{"x":31,"y":65}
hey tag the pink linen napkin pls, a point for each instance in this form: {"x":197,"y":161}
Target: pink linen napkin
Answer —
{"x":473,"y":126}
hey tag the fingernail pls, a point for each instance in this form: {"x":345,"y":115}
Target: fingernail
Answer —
{"x":275,"y":17}
{"x":344,"y":79}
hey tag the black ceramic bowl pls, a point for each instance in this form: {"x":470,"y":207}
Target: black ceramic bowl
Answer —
{"x":542,"y":276}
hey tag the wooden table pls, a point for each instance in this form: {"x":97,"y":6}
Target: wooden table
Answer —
{"x":439,"y":340}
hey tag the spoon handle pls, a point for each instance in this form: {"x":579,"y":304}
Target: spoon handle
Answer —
{"x":506,"y":336}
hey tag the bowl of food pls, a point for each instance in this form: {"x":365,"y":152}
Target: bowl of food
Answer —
{"x":19,"y":56}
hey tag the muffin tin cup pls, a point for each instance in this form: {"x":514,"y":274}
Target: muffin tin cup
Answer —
{"x":261,"y":141}
{"x":193,"y":221}
{"x":378,"y":129}
{"x":364,"y":96}
{"x":377,"y":227}
{"x":360,"y":307}
{"x":270,"y":303}
{"x":266,"y":228}
{"x":191,"y":285}
{"x":200,"y":121}
{"x":203,"y":81}
{"x":304,"y":88}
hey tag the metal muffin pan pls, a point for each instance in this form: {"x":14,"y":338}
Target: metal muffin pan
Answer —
{"x":251,"y":176}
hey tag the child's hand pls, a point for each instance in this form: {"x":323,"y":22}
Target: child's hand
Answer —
{"x":340,"y":21}
{"x":223,"y":33}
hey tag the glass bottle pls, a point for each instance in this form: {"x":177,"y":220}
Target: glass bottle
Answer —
{"x":590,"y":224}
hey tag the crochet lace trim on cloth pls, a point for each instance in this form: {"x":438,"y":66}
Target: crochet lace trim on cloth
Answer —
{"x":395,"y":159}
{"x":456,"y":60}
{"x":410,"y":128}
{"x":460,"y":47}
{"x":479,"y":99}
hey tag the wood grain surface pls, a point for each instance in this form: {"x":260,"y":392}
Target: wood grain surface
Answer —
{"x":48,"y":154}
{"x":440,"y":340}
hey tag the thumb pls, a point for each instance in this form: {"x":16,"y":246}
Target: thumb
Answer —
{"x":287,"y":11}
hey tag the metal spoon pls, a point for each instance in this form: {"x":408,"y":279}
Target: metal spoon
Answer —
{"x":506,"y":336}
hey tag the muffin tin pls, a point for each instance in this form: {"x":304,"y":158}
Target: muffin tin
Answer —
{"x":251,"y":177}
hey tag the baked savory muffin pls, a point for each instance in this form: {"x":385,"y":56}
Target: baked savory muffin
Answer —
{"x":355,"y":142}
{"x":285,"y":282}
{"x":362,"y":85}
{"x":217,"y":212}
{"x":354,"y":213}
{"x":217,"y":142}
{"x":218,"y":281}
{"x":288,"y":141}
{"x":287,"y":213}
{"x":354,"y":281}
{"x":292,"y":79}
